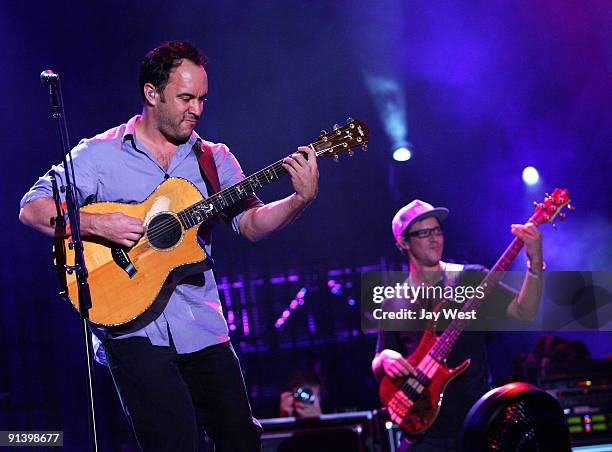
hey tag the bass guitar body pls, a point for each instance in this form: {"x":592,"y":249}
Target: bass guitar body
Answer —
{"x":126,"y":283}
{"x":417,"y":398}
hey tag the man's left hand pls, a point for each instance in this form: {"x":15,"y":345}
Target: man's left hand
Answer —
{"x":304,"y":174}
{"x":532,"y":238}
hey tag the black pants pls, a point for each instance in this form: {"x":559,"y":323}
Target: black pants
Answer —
{"x":165,"y":395}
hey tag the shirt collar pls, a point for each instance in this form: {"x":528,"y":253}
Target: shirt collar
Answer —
{"x":130,"y":129}
{"x":443,"y":276}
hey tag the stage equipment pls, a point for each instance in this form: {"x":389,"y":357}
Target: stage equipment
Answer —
{"x":77,"y":269}
{"x":517,"y":417}
{"x":584,"y":391}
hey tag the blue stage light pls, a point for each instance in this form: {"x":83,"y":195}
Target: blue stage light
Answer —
{"x":531,"y":175}
{"x":402,"y":154}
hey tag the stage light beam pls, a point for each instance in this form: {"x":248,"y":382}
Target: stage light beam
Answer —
{"x":389,"y":98}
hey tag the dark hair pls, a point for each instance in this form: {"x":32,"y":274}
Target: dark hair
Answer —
{"x":306,"y":377}
{"x":159,"y":62}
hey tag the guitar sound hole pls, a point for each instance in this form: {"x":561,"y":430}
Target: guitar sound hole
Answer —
{"x":164,"y":231}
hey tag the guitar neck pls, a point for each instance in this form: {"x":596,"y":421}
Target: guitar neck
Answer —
{"x":354,"y":133}
{"x":447,"y":340}
{"x":210,"y":207}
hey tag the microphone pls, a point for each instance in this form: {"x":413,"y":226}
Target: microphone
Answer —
{"x":51,"y":79}
{"x":48,"y":77}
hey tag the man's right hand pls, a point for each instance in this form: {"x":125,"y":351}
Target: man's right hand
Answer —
{"x":116,"y":227}
{"x":286,"y":404}
{"x":394,"y":364}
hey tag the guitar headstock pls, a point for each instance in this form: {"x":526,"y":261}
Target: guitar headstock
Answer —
{"x":547,"y":210}
{"x":342,"y":138}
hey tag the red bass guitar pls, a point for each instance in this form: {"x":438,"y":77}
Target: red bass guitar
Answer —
{"x":418,"y":397}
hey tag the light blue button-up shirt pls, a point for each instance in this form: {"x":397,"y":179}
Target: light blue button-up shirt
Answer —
{"x":115,"y":166}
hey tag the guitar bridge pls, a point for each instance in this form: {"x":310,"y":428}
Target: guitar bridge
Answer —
{"x":122,"y":259}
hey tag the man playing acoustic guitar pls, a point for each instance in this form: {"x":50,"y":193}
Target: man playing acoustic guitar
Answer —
{"x":182,"y":363}
{"x":418,"y":233}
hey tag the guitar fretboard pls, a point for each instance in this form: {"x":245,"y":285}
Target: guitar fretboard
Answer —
{"x":214,"y":205}
{"x":447,"y":340}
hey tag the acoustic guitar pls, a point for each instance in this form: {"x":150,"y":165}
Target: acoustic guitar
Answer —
{"x":417,"y":398}
{"x":128,"y":286}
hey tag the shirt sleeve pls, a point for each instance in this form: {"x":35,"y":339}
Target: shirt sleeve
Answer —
{"x":230,"y":173}
{"x":85,"y":179}
{"x":387,"y":340}
{"x":404,"y":342}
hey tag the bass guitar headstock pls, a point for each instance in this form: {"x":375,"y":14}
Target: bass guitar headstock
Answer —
{"x":551,"y":207}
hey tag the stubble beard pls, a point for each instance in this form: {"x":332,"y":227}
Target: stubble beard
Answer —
{"x":171,"y":129}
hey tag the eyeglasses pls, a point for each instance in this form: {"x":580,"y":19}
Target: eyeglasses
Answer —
{"x":424,"y":233}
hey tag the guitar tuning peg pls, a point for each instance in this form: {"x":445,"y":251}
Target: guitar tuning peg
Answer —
{"x":323,"y":132}
{"x":349,"y":120}
{"x":546,"y":195}
{"x":554,"y":225}
{"x":535,"y":204}
{"x":336,"y":158}
{"x":364,"y":147}
{"x":570,"y":207}
{"x":562,"y":216}
{"x":336,"y":126}
{"x":351,"y":152}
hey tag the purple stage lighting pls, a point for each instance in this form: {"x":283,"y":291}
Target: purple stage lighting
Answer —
{"x":293,"y":305}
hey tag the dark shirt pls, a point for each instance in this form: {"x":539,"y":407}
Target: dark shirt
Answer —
{"x":466,"y":389}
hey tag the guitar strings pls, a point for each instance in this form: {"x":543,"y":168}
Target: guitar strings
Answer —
{"x":232,"y":191}
{"x":457,"y":326}
{"x":165,"y":226}
{"x":161,"y":228}
{"x":425,"y":370}
{"x":445,"y":342}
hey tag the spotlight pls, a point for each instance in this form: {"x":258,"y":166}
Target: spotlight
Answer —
{"x":402,"y":154}
{"x":531,"y":175}
{"x":390,"y":99}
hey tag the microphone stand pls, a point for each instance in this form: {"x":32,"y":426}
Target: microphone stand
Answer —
{"x":51,"y":79}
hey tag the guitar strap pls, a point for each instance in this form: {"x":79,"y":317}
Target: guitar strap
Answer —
{"x":208,"y":168}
